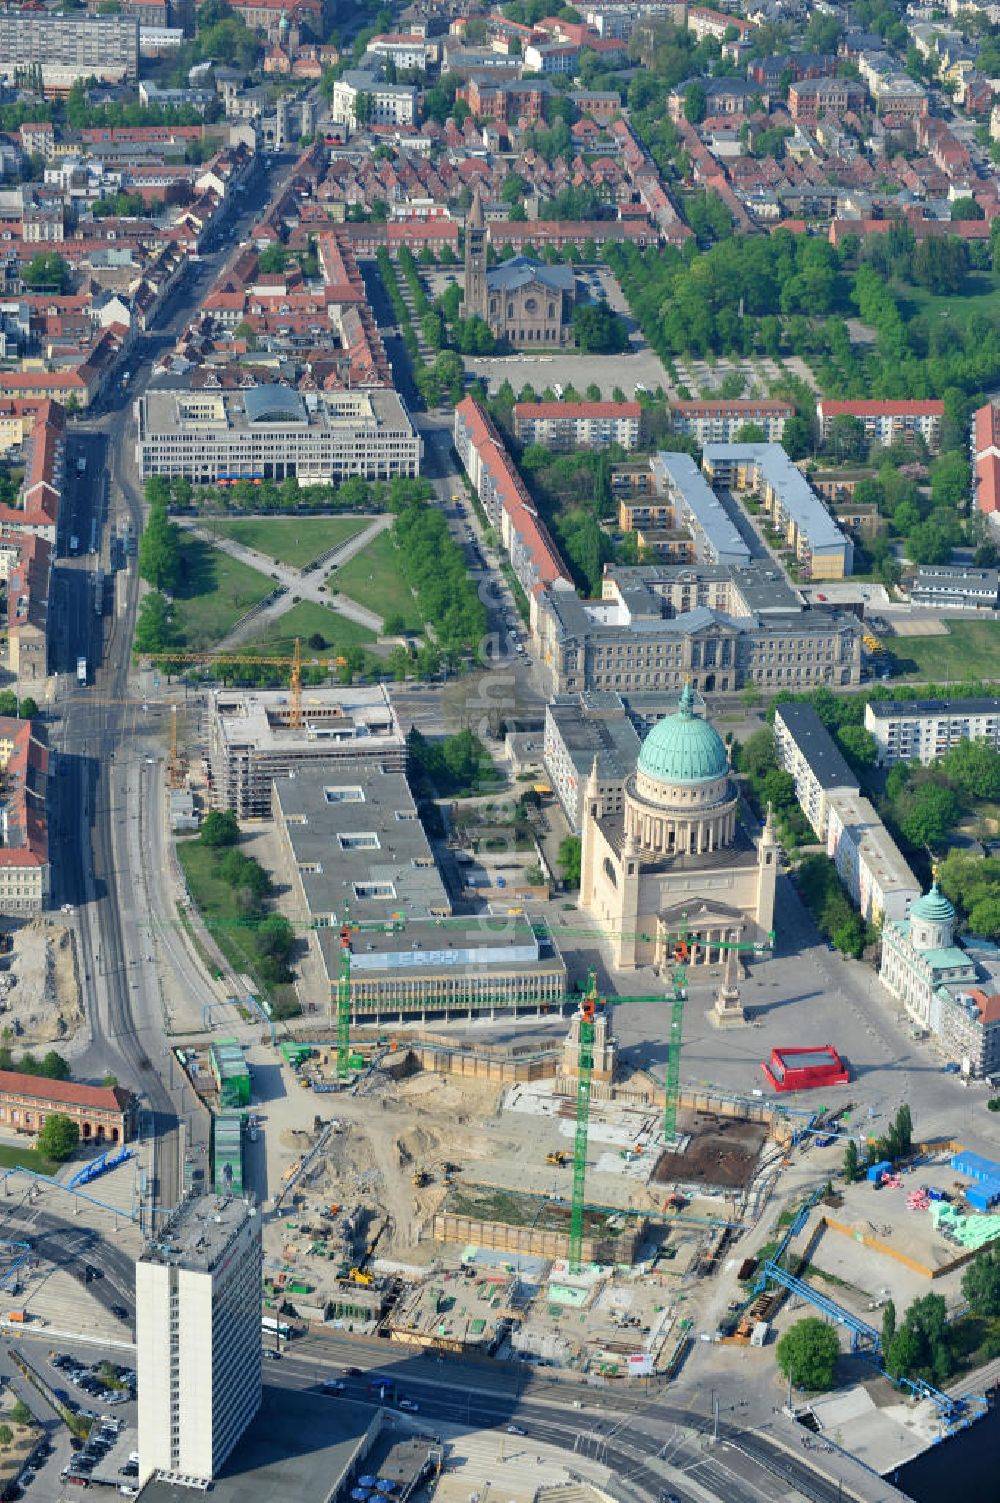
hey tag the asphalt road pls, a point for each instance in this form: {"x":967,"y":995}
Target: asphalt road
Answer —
{"x":652,"y":1442}
{"x":100,"y":747}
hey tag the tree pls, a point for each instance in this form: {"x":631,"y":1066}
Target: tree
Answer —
{"x":966,"y":208}
{"x":950,"y":479}
{"x":599,"y":331}
{"x":903,"y":1130}
{"x":695,"y":102}
{"x":981,"y":1283}
{"x":847,"y":440}
{"x":852,"y":1167}
{"x":220,"y":828}
{"x":807,"y":1354}
{"x":888,"y":1324}
{"x":28,"y":708}
{"x":54,"y":1067}
{"x":21,"y":1414}
{"x":154,"y":624}
{"x":858,"y":746}
{"x":928,"y":813}
{"x":159,"y":550}
{"x":59,"y":1137}
{"x":6,"y":1436}
{"x":570,"y":848}
{"x":973,"y":768}
{"x":47,"y":272}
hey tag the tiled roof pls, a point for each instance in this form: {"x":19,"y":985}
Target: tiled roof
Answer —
{"x":64,"y":1092}
{"x":880,"y":409}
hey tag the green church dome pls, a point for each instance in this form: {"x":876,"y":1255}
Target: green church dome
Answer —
{"x":933,"y":908}
{"x":683,"y":748}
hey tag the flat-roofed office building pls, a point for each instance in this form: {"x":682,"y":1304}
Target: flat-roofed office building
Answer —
{"x":273,"y":433}
{"x":252,"y":740}
{"x":198,"y":1337}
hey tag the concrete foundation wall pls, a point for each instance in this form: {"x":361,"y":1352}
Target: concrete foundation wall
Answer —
{"x":498,"y":1236}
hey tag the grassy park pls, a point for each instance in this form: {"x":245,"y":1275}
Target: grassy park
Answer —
{"x":219,"y":905}
{"x":308,"y":619}
{"x":295,"y":541}
{"x":372,"y":578}
{"x":971,"y":650}
{"x":214,"y":592}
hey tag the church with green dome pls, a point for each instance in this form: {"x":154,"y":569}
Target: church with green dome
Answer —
{"x":671,"y":852}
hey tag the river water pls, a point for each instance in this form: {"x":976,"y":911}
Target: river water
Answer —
{"x":967,"y":1461}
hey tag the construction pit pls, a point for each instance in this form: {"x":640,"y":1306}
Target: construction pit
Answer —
{"x":439,"y":1208}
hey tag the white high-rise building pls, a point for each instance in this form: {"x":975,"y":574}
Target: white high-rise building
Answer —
{"x":198,"y":1336}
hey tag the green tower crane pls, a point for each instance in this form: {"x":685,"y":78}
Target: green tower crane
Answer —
{"x":344,"y":1003}
{"x":585,"y":1069}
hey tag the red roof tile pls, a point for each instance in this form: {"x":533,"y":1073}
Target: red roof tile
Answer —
{"x":64,"y":1092}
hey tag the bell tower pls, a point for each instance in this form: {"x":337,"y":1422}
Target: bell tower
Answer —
{"x":475,"y":259}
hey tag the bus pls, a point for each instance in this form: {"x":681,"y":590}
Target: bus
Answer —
{"x":271,"y":1327}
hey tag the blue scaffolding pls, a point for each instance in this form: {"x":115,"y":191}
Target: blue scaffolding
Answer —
{"x":955,"y":1412}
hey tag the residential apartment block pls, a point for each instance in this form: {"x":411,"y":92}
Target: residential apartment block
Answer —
{"x":821,"y":549}
{"x":808,"y":753}
{"x":85,"y":46}
{"x":922,"y":730}
{"x":198,"y":1337}
{"x":719,"y":422}
{"x":986,"y":445}
{"x":534,"y":557}
{"x":25,"y":870}
{"x":716,"y":538}
{"x":273,"y":432}
{"x":886,"y":422}
{"x":868,"y":861}
{"x":589,"y":735}
{"x":578,"y":425}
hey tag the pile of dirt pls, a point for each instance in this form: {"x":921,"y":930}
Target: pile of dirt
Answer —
{"x":40,"y":986}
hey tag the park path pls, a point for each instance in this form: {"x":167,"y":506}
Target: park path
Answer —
{"x":295,"y":582}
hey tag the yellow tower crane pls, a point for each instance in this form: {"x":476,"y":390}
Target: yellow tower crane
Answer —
{"x":294,"y":664}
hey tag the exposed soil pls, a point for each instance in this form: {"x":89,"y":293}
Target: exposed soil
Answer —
{"x":722,"y":1151}
{"x":39,"y":987}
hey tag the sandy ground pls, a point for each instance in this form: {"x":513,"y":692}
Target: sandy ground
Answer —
{"x":39,"y":985}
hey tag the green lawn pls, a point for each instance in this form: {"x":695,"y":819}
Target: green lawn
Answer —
{"x":303,"y":621}
{"x":289,"y":540}
{"x":971,"y":650}
{"x":214,"y":593}
{"x":980,"y":296}
{"x":372,"y":578}
{"x":13,"y":1156}
{"x":216,"y":902}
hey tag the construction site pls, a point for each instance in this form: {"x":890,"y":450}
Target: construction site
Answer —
{"x":537,"y":1201}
